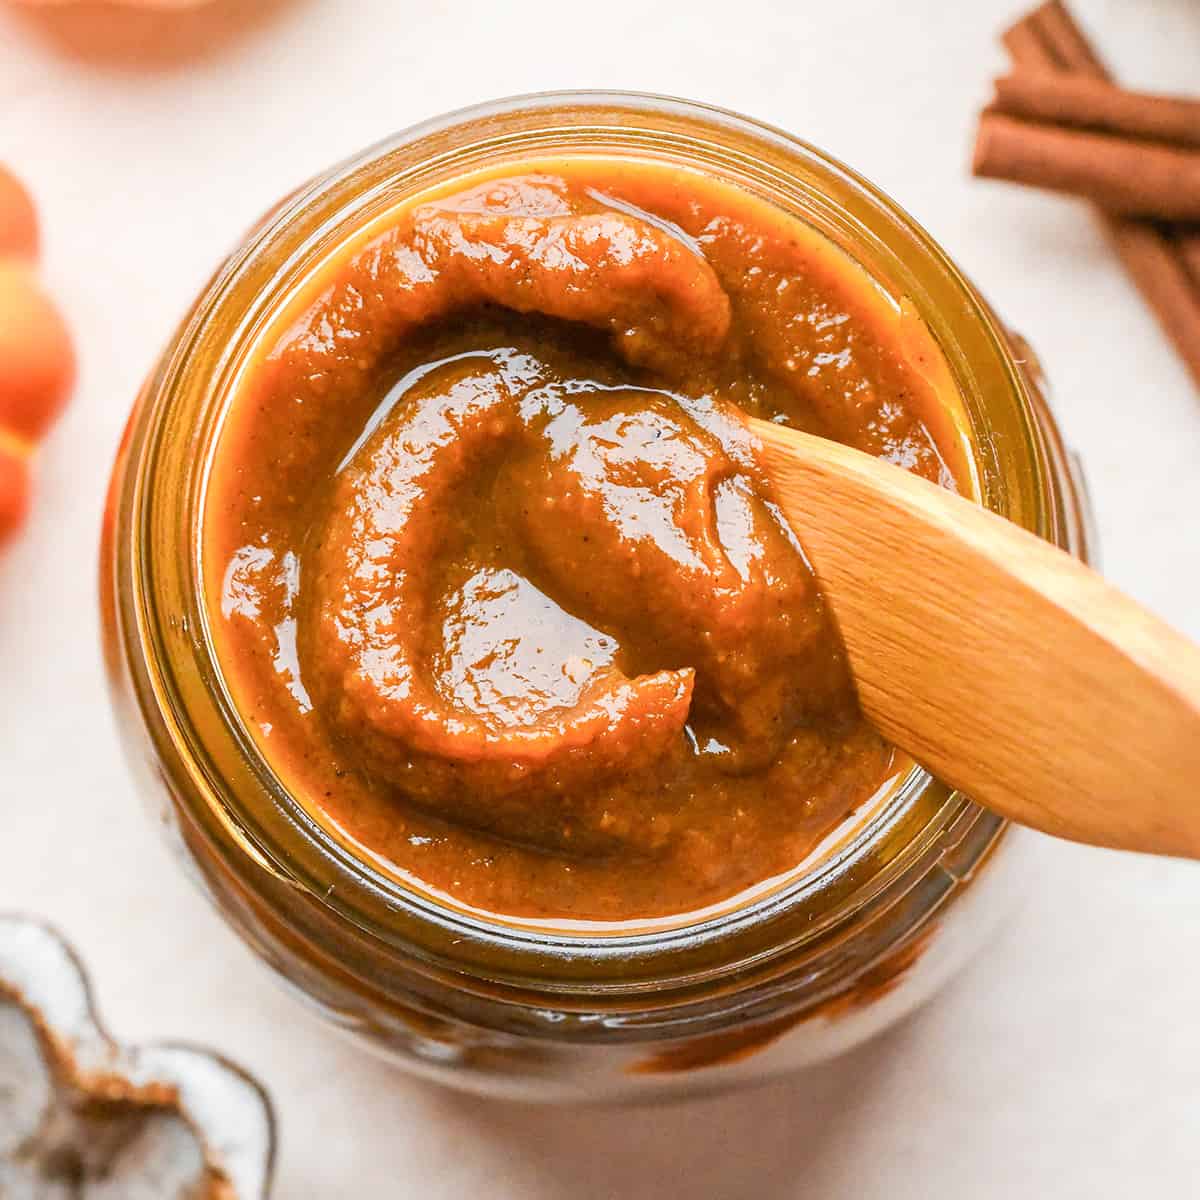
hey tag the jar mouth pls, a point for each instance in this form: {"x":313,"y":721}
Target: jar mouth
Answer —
{"x":212,"y":762}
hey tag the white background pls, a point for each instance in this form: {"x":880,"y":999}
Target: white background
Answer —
{"x":1066,"y":1061}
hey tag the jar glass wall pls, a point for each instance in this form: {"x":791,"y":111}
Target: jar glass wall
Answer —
{"x":762,"y":986}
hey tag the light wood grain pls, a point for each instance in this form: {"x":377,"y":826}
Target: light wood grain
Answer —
{"x":1002,"y":664}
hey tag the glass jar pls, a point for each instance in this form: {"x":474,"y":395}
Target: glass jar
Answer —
{"x":779,"y":982}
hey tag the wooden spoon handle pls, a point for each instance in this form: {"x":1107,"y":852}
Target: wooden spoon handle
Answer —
{"x":1004,"y":665}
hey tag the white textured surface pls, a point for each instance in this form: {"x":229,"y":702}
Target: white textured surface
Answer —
{"x":1066,"y":1062}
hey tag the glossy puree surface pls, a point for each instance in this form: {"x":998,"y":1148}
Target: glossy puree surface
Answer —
{"x":493,"y":573}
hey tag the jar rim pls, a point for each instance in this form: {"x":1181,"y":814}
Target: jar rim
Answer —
{"x":163,"y":618}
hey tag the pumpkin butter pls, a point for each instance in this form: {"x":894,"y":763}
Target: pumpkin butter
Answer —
{"x":493,"y":573}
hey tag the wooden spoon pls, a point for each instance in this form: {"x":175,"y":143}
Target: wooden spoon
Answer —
{"x":1002,"y":664}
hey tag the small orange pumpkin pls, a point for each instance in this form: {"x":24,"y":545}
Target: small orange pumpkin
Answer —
{"x":37,"y":364}
{"x":127,"y":3}
{"x":18,"y":221}
{"x":14,"y":484}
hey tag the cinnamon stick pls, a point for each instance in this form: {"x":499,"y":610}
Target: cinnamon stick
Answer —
{"x":1070,"y":48}
{"x":1188,"y":245}
{"x":1049,"y":39}
{"x":1137,"y":178}
{"x":1067,"y":41}
{"x":1088,"y":103}
{"x":1028,"y":48}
